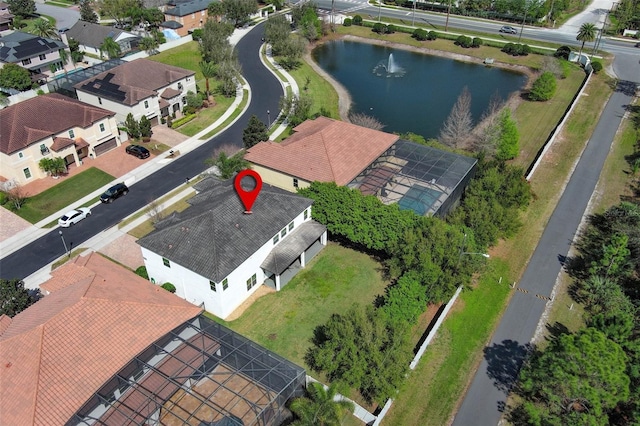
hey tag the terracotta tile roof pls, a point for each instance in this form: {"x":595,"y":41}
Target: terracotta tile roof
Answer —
{"x":61,"y":143}
{"x":169,"y":93}
{"x":323,"y":149}
{"x":38,"y":118}
{"x":58,"y":352}
{"x":131,"y":82}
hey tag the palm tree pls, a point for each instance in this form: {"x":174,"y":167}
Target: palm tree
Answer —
{"x":208,"y":70}
{"x":64,"y":58}
{"x":149,"y":45}
{"x":587,"y":33}
{"x":320,"y":408}
{"x":110,"y":47}
{"x":228,"y":165}
{"x":43,"y":28}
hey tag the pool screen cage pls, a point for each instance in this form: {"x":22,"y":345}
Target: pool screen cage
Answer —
{"x":201,"y":373}
{"x":426,"y":180}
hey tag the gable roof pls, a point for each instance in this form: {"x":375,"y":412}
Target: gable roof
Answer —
{"x":93,"y":35}
{"x":324,"y":150}
{"x":214,"y":236}
{"x":134,"y":81}
{"x":35,"y":119}
{"x":16,"y":46}
{"x":188,"y":7}
{"x":58,"y":352}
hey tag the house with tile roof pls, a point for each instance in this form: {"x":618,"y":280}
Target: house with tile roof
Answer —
{"x":427,"y":180}
{"x":140,"y":87}
{"x":186,"y":16}
{"x":34,"y":129}
{"x":216,"y":255}
{"x":107,"y":347}
{"x":91,"y":36}
{"x":37,"y":54}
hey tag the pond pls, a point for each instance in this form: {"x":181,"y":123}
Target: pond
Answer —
{"x":408,"y":91}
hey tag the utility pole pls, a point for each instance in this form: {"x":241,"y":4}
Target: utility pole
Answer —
{"x":446,"y":23}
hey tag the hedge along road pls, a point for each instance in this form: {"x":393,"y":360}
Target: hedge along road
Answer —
{"x":266,"y":91}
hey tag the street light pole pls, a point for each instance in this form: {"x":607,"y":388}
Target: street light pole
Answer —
{"x":65,"y":244}
{"x":379,"y":9}
{"x":446,"y":23}
{"x":269,"y":119}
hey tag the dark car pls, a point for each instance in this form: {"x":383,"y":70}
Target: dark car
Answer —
{"x":637,"y":44}
{"x":509,"y":30}
{"x":114,"y":192}
{"x":137,"y":150}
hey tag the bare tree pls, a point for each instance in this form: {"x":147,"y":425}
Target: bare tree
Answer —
{"x":17,"y":196}
{"x":155,"y":212}
{"x":457,"y":128}
{"x":487,"y":132}
{"x":364,"y":120}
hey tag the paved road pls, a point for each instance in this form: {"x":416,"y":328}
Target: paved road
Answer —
{"x":266,"y":91}
{"x":65,"y":17}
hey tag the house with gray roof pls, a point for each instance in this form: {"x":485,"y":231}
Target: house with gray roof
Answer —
{"x":217,"y":255}
{"x":186,"y":16}
{"x":36,"y":54}
{"x":91,"y":36}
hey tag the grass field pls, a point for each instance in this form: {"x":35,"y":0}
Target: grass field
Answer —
{"x":324,"y":95}
{"x":60,"y":196}
{"x":284,"y":322}
{"x":206,"y":116}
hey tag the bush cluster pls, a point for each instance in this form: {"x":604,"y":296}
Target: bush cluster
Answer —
{"x":142,"y":272}
{"x":563,"y":52}
{"x":381,"y":28}
{"x":516,"y":49}
{"x":169,"y":287}
{"x":544,"y":87}
{"x":347,"y":22}
{"x":357,"y":20}
{"x":597,"y":66}
{"x":179,"y":122}
{"x":464,"y":41}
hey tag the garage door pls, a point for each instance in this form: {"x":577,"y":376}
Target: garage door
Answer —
{"x":105,"y":146}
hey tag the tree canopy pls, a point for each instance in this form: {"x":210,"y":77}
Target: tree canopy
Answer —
{"x":238,"y":11}
{"x":14,"y":298}
{"x":22,"y":8}
{"x":254,"y":133}
{"x":13,"y":76}
{"x":87,"y":13}
{"x":319,"y":408}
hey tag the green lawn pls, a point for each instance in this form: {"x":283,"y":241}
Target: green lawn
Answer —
{"x":207,"y":116}
{"x":66,"y":192}
{"x":323,"y":93}
{"x":284,"y":321}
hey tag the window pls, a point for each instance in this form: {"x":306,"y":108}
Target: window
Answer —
{"x":43,"y":148}
{"x":225,"y":284}
{"x":100,"y":101}
{"x":290,"y":226}
{"x":166,"y":262}
{"x":146,"y":104}
{"x":26,"y":61}
{"x":306,"y":214}
{"x":276,"y":239}
{"x":179,"y":86}
{"x":295,"y":182}
{"x":72,"y":134}
{"x":251,"y":282}
{"x":283,"y":232}
{"x":102,"y":127}
{"x":20,"y":155}
{"x":27,"y":173}
{"x":212,"y":286}
{"x":42,"y":57}
{"x":184,"y":100}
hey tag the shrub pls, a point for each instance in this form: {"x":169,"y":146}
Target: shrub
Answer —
{"x":463,"y":41}
{"x":357,"y":20}
{"x":347,"y":22}
{"x":566,"y":68}
{"x":523,"y":49}
{"x":543,"y":88}
{"x":563,"y":52}
{"x":597,"y":66}
{"x":508,"y":48}
{"x":379,"y":28}
{"x":516,"y":49}
{"x":169,"y":287}
{"x":419,"y":34}
{"x":144,"y":126}
{"x":477,"y":42}
{"x":432,"y":35}
{"x":391,"y":29}
{"x":142,"y":272}
{"x":40,"y":92}
{"x":197,"y":34}
{"x":3,"y":198}
{"x":177,"y":123}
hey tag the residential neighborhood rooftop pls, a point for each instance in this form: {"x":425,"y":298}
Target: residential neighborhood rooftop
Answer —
{"x":93,"y":35}
{"x":324,"y":150}
{"x":30,"y":121}
{"x":184,"y":8}
{"x":16,"y":46}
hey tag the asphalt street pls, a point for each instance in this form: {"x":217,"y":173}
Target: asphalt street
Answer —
{"x":266,"y":91}
{"x":65,"y":17}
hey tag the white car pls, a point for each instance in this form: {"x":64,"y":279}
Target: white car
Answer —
{"x":74,"y":216}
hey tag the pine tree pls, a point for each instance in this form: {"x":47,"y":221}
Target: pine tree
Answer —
{"x":254,"y":133}
{"x":86,"y":12}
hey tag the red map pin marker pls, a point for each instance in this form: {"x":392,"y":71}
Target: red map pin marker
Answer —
{"x":248,"y":197}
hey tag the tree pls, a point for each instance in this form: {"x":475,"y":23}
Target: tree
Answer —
{"x":54,"y":166}
{"x":64,"y":58}
{"x":577,"y":380}
{"x":149,"y":45}
{"x":214,"y":44}
{"x":132,"y":127}
{"x":144,"y":126}
{"x":118,"y":10}
{"x":16,"y":196}
{"x":209,"y":71}
{"x":14,"y":298}
{"x":586,"y":33}
{"x":615,"y":257}
{"x":22,"y":8}
{"x":405,"y":301}
{"x":215,"y":10}
{"x":228,"y":70}
{"x":111,"y":48}
{"x":228,"y":165}
{"x":87,"y":13}
{"x":297,"y":108}
{"x":544,"y":87}
{"x":457,"y":127}
{"x":508,"y":147}
{"x":74,"y":48}
{"x":43,"y":28}
{"x":277,"y":31}
{"x":364,"y":120}
{"x":319,"y":407}
{"x":254,"y":133}
{"x":13,"y":76}
{"x":238,"y":11}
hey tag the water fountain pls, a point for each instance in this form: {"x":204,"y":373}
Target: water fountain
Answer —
{"x":388,"y":69}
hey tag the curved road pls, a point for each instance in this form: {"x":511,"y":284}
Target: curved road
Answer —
{"x":266,"y":91}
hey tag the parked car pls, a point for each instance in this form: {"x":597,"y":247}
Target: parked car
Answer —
{"x":116,"y":191}
{"x":137,"y":150}
{"x":637,"y":44}
{"x":508,"y":29}
{"x":74,"y":216}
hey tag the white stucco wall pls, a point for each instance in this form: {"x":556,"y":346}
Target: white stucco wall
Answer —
{"x":196,"y":289}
